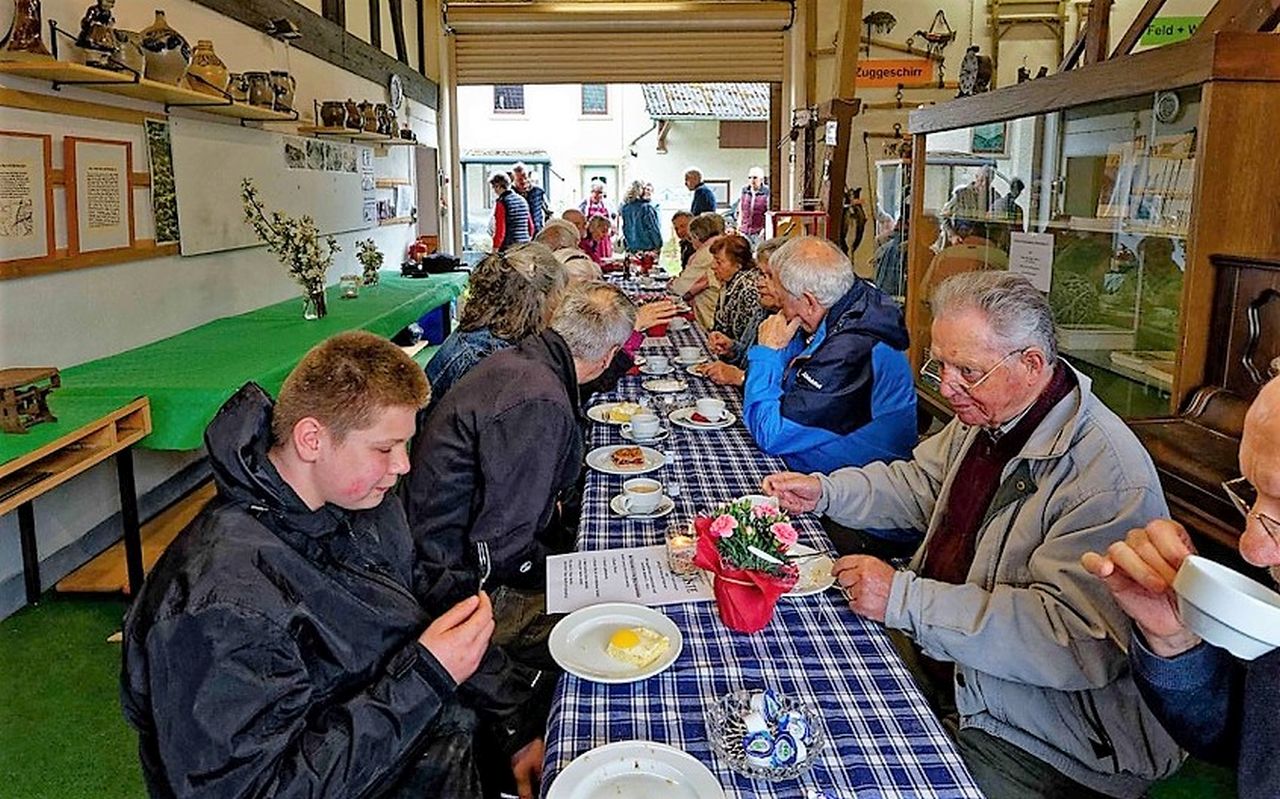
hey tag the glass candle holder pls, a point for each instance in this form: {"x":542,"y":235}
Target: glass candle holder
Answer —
{"x":350,"y":286}
{"x":681,"y":545}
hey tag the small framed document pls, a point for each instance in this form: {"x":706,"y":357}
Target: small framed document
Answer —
{"x":26,"y":196}
{"x":99,"y":194}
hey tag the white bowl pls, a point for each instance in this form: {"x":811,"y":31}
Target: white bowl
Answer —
{"x":1228,"y":609}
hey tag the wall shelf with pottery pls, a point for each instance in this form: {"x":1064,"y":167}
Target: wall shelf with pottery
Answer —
{"x":65,"y":73}
{"x":345,"y":133}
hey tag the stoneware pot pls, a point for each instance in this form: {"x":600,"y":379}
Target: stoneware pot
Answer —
{"x":333,"y":114}
{"x":380,"y":112}
{"x":168,"y":53}
{"x":260,"y":91}
{"x":207,"y":73}
{"x":284,"y":85}
{"x":369,"y":116}
{"x":24,"y":34}
{"x":354,"y":120}
{"x":238,"y":87}
{"x":128,"y":55}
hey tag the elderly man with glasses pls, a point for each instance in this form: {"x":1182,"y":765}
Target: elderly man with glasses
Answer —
{"x":1020,"y":650}
{"x":1220,"y":708}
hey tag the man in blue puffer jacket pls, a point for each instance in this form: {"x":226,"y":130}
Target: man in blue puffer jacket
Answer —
{"x":828,"y":383}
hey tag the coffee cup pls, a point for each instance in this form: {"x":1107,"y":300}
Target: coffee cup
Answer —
{"x":678,"y":323}
{"x":710,"y":408}
{"x":657,"y":331}
{"x":658,"y":363}
{"x":643,"y":426}
{"x":690,"y":354}
{"x":641,"y":495}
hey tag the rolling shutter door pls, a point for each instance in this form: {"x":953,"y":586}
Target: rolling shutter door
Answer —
{"x":619,"y":42}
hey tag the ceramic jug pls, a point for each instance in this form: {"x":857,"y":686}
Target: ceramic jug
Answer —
{"x":24,"y":34}
{"x":354,"y":119}
{"x":260,"y":91}
{"x":380,"y":113}
{"x":283,"y":85}
{"x":333,"y":114}
{"x":129,"y":55}
{"x":168,"y":53}
{"x":207,"y":73}
{"x":238,"y":87}
{"x":369,"y":115}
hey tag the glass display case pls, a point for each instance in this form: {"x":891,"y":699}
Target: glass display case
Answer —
{"x":1093,"y":204}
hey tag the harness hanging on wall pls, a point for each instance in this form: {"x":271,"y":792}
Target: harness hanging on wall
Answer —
{"x":939,"y":35}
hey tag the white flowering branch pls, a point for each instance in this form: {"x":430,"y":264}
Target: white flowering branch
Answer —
{"x":296,"y":242}
{"x":370,"y":257}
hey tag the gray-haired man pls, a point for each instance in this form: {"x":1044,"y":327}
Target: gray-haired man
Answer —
{"x":1032,"y":472}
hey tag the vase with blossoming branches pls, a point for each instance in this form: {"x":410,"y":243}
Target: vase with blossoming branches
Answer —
{"x":296,"y":242}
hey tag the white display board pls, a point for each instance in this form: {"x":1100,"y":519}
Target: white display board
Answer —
{"x":294,"y":175}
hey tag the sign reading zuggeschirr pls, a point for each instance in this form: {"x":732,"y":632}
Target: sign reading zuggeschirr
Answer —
{"x":879,"y":72}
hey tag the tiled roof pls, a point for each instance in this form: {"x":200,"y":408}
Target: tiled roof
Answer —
{"x":745,"y":101}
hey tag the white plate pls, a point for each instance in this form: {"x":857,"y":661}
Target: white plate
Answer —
{"x":669,"y":385}
{"x":693,"y":370}
{"x":639,"y":360}
{"x":815,"y":573}
{"x":665,"y":506}
{"x":599,"y":459}
{"x":694,"y":362}
{"x":600,"y":413}
{"x":681,"y":417}
{"x":579,"y":640}
{"x":1228,"y":609}
{"x":647,"y":371}
{"x":663,"y":433}
{"x":635,"y":770}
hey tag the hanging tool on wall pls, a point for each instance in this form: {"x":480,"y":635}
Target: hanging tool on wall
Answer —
{"x":939,"y":35}
{"x":880,"y":22}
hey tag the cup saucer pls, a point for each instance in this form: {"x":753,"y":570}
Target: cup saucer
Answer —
{"x":649,"y":370}
{"x":662,"y":434}
{"x":665,"y":506}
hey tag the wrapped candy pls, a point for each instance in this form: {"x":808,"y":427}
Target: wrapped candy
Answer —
{"x":766,"y":703}
{"x":786,"y":751}
{"x":759,"y":748}
{"x":755,"y":722}
{"x":796,"y":723}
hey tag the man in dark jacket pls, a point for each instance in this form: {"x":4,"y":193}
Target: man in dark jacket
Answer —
{"x":704,"y":199}
{"x":828,"y":384}
{"x":276,"y":649}
{"x":1221,"y":708}
{"x":533,"y":195}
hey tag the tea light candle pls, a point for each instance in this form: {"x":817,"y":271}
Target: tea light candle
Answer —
{"x":681,"y":546}
{"x":350,"y":285}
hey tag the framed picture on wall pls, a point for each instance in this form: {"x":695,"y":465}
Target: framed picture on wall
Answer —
{"x":720,"y":188}
{"x":99,"y":194}
{"x":989,"y":139}
{"x":26,"y":196}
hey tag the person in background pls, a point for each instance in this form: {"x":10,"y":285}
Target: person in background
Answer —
{"x":510,"y":295}
{"x":640,"y":227}
{"x":512,"y":223}
{"x":724,"y":372}
{"x":696,"y":284}
{"x":704,"y":199}
{"x":532,"y":194}
{"x":596,"y":243}
{"x":971,"y":203}
{"x":1221,"y":708}
{"x":578,"y":265}
{"x":597,"y":204}
{"x":276,"y":648}
{"x":680,"y":224}
{"x":1019,"y":649}
{"x":753,"y":204}
{"x":558,"y":234}
{"x":579,"y":221}
{"x":738,"y":312}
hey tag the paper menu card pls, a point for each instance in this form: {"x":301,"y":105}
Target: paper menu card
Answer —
{"x":639,"y":575}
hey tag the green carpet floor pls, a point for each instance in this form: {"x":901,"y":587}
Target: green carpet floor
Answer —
{"x":62,"y":735}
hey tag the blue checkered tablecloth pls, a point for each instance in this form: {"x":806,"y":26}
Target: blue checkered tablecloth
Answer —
{"x":882,"y":740}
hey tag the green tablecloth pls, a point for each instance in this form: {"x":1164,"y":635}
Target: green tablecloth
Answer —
{"x":73,"y":413}
{"x":188,"y":376}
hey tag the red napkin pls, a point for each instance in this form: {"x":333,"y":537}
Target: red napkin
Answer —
{"x":657,"y":331}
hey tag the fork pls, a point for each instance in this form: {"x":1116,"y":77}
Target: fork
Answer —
{"x":486,"y":565}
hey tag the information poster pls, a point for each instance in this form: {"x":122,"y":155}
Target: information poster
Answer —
{"x":638,"y":575}
{"x":99,"y":194}
{"x":26,"y":213}
{"x":1031,"y":255}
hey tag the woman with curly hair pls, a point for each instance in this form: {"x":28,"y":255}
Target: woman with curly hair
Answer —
{"x":511,"y":295}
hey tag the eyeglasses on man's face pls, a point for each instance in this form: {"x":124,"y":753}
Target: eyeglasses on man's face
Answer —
{"x":964,"y":378}
{"x":1244,"y":496}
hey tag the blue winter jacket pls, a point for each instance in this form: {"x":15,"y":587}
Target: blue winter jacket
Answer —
{"x":640,"y":226}
{"x":844,"y":398}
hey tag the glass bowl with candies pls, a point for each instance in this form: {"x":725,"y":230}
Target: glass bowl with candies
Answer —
{"x":764,"y":735}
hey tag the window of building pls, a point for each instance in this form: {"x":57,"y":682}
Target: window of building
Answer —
{"x":595,"y":98}
{"x":508,"y":98}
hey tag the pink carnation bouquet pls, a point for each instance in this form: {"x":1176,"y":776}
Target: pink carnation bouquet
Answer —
{"x":745,"y":546}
